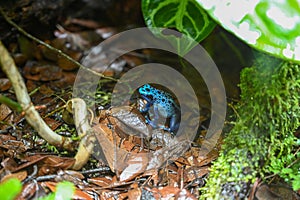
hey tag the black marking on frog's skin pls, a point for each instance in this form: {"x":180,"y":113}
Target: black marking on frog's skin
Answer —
{"x":163,"y":105}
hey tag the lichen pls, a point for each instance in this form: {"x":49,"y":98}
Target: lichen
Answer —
{"x":262,"y":141}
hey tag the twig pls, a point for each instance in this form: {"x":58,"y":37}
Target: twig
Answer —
{"x":32,"y":175}
{"x":97,"y":170}
{"x":85,"y":132}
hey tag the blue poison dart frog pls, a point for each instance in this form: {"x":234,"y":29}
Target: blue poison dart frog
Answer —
{"x":163,"y":106}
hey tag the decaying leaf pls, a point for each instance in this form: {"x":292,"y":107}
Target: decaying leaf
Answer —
{"x":5,"y":84}
{"x":130,"y":121}
{"x":137,"y":164}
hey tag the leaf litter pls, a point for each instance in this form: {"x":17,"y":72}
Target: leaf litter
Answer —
{"x":122,"y":136}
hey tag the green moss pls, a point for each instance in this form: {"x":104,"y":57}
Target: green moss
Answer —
{"x":262,"y":140}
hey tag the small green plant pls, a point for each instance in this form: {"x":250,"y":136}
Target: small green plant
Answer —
{"x":10,"y":189}
{"x":64,"y":190}
{"x":9,"y":102}
{"x":70,"y":129}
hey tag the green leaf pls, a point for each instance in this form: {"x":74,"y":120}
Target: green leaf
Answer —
{"x":11,"y":103}
{"x":10,"y":189}
{"x":184,"y":15}
{"x":268,"y":25}
{"x":296,"y":183}
{"x":287,"y":171}
{"x":64,"y":190}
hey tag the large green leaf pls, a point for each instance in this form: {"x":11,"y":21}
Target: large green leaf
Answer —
{"x":184,"y":15}
{"x":272,"y":26}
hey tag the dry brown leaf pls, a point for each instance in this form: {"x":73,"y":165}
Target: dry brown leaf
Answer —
{"x":67,"y":65}
{"x":5,"y":84}
{"x":165,"y":193}
{"x":12,"y":166}
{"x":137,"y":164}
{"x":4,"y":139}
{"x":58,"y":162}
{"x":29,"y":190}
{"x":130,"y":121}
{"x":111,"y":195}
{"x":134,"y":194}
{"x":185,"y":195}
{"x":101,"y":181}
{"x":127,"y":145}
{"x":9,"y":164}
{"x":195,"y":158}
{"x":52,"y":123}
{"x":40,"y":71}
{"x":21,"y":175}
{"x":113,"y":155}
{"x":195,"y":172}
{"x":5,"y":111}
{"x":71,"y":176}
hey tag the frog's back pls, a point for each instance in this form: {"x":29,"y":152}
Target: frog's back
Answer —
{"x":163,"y":100}
{"x":147,"y":90}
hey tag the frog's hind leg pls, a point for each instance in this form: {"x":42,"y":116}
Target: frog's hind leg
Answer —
{"x":174,"y":124}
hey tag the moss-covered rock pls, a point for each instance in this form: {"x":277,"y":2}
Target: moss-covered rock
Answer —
{"x":262,"y":140}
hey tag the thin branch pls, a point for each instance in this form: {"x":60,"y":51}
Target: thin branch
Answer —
{"x":87,"y":136}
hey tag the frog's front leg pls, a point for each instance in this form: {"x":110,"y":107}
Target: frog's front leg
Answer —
{"x":153,"y":122}
{"x":148,"y":104}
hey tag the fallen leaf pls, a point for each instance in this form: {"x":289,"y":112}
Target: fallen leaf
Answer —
{"x":67,"y":65}
{"x":184,"y":194}
{"x":165,"y":193}
{"x":135,"y":194}
{"x":21,"y":175}
{"x":130,"y":121}
{"x":136,"y":164}
{"x":51,"y":164}
{"x":5,"y":84}
{"x":52,"y":123}
{"x":41,"y":71}
{"x":30,"y":191}
{"x":113,"y":155}
{"x":101,"y":181}
{"x":194,"y":172}
{"x":71,"y":176}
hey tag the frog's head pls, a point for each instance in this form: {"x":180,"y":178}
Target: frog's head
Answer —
{"x":145,"y":89}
